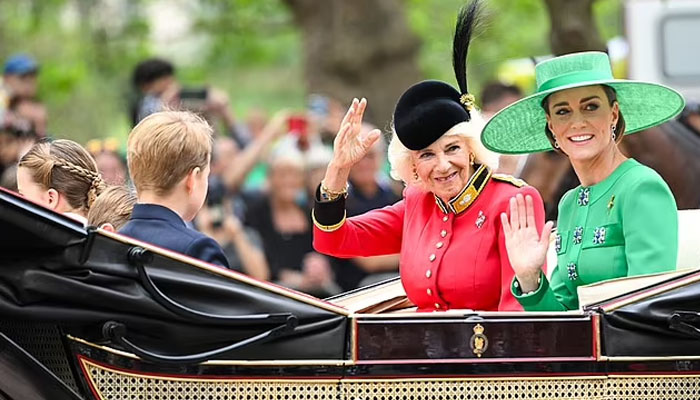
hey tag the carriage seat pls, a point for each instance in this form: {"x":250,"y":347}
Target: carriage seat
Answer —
{"x":688,"y":242}
{"x":688,"y":239}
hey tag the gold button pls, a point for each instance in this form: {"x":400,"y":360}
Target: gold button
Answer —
{"x":437,"y":305}
{"x":439,"y":245}
{"x":430,"y":292}
{"x":445,"y":218}
{"x":443,"y":233}
{"x":432,"y":257}
{"x":428,"y":273}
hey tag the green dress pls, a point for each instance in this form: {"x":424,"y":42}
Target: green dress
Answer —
{"x":623,"y":226}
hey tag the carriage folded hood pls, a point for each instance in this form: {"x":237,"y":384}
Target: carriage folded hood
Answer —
{"x":660,"y":319}
{"x":110,"y":289}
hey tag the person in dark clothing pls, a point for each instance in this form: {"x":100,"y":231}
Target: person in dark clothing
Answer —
{"x":284,"y":223}
{"x":168,"y":155}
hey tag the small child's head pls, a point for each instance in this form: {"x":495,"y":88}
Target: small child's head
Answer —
{"x":60,"y":175}
{"x":168,"y":154}
{"x":112,"y":208}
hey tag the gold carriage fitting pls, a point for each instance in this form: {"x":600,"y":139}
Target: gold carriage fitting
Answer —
{"x":88,"y":314}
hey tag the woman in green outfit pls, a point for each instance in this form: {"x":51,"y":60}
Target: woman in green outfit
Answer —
{"x":622,"y":220}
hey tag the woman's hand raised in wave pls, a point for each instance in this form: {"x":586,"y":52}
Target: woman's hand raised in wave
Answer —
{"x":351,"y":144}
{"x":527,"y":249}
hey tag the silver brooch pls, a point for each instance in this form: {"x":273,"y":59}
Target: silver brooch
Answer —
{"x":557,"y":243}
{"x":599,"y":235}
{"x":578,"y":235}
{"x":480,"y":219}
{"x":583,"y":196}
{"x":571,"y":269}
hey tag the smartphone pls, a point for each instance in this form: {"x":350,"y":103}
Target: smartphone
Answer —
{"x":194,"y":93}
{"x":216,"y":196}
{"x":298,"y":125}
{"x":218,"y":214}
{"x":193,"y":98}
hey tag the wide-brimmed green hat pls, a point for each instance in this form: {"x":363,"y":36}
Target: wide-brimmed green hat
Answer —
{"x":519,"y":128}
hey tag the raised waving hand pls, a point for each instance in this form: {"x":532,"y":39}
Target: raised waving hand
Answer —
{"x":350,"y":145}
{"x":527,"y":248}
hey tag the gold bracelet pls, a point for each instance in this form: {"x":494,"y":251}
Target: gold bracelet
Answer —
{"x":330,"y":195}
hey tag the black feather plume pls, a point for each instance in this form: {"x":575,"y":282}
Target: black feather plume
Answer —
{"x":466,"y":22}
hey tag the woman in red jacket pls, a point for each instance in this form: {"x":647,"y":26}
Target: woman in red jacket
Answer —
{"x":446,"y":228}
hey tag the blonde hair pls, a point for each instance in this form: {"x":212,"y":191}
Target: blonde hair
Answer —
{"x":67,"y":167}
{"x":286,"y":155}
{"x":113,"y":206}
{"x":164,"y":147}
{"x":401,"y":161}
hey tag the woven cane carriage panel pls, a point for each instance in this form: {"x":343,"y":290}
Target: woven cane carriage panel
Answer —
{"x":477,"y":389}
{"x":613,"y":388}
{"x":654,"y":387}
{"x":118,"y":385}
{"x":43,"y":342}
{"x":114,"y":384}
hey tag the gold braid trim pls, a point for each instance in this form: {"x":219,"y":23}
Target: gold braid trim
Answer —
{"x":510,"y":179}
{"x":329,"y":228}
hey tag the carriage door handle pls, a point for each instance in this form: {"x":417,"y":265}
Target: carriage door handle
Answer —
{"x":685,"y":322}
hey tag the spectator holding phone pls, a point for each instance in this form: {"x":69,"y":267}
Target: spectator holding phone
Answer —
{"x":242,"y":245}
{"x":157,"y":89}
{"x":233,"y":164}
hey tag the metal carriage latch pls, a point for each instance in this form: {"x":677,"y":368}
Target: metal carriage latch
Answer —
{"x":685,"y":322}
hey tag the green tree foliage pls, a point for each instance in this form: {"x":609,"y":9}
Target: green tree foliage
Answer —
{"x":511,"y":29}
{"x":250,"y":48}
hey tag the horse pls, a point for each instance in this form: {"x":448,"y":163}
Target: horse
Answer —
{"x":672,"y":149}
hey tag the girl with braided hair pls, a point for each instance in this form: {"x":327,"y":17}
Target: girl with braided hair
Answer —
{"x":60,"y":175}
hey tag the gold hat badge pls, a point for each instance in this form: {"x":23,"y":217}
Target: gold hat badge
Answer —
{"x":467,"y":101}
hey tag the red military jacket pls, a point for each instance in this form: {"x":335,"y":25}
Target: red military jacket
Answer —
{"x":451,"y":255}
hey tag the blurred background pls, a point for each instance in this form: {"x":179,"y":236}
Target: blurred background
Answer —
{"x":265,"y":54}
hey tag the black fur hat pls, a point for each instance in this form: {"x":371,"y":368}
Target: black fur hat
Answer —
{"x":428,"y":109}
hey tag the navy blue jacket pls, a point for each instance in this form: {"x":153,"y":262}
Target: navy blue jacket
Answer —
{"x":161,"y":226}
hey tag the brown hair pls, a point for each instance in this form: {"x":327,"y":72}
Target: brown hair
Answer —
{"x":612,"y":99}
{"x":164,"y":147}
{"x":113,"y":206}
{"x":67,"y":167}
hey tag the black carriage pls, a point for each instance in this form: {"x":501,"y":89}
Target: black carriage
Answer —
{"x":91,"y":315}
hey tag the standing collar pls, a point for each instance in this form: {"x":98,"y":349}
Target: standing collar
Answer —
{"x":468,"y":195}
{"x":601,"y":188}
{"x":155,"y":211}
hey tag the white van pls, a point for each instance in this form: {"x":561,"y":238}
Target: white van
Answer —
{"x":664,"y":43}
